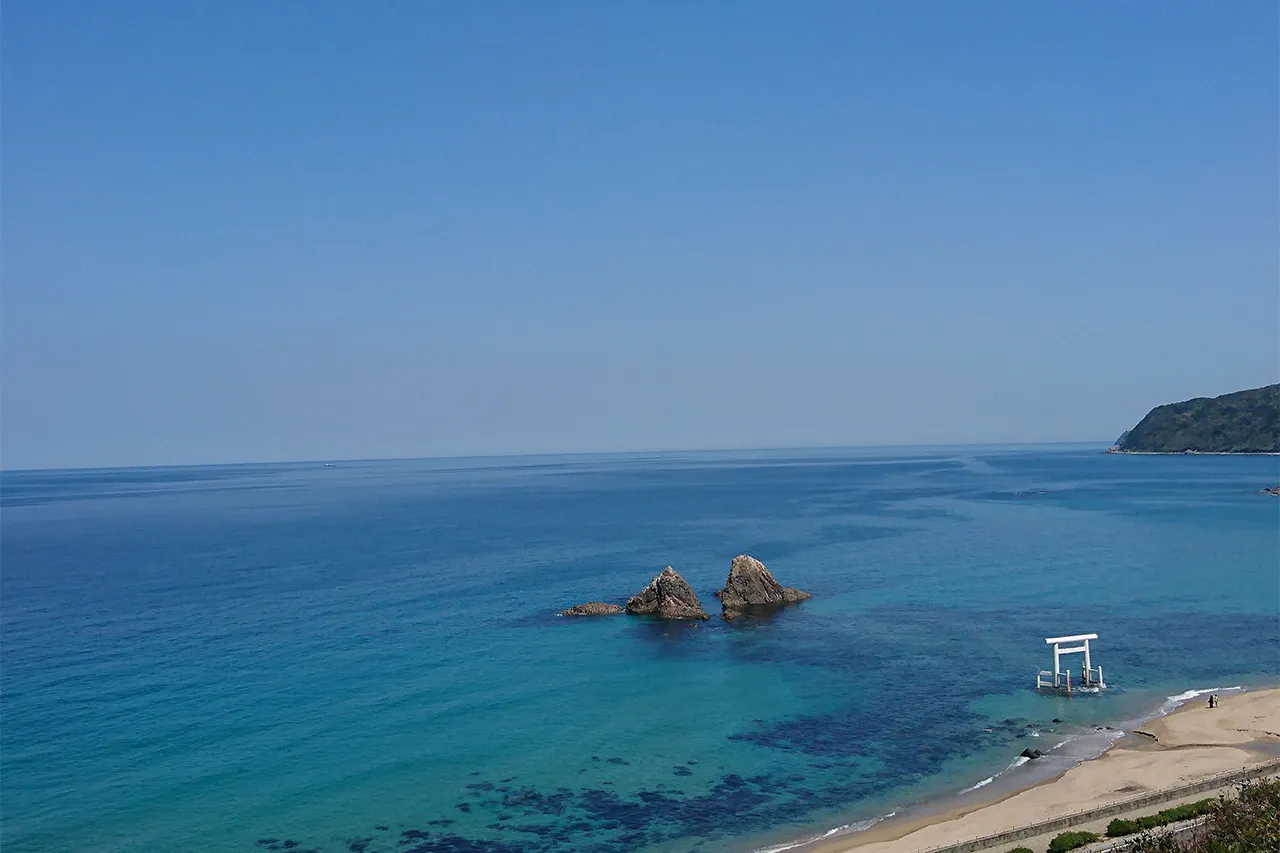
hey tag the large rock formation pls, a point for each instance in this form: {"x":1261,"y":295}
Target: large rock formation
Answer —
{"x":668,"y":596}
{"x":751,"y":585}
{"x":592,"y":608}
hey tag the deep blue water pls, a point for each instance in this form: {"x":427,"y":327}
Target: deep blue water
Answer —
{"x":366,"y":657}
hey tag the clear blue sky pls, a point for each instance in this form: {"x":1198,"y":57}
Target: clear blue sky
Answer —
{"x":240,"y":231}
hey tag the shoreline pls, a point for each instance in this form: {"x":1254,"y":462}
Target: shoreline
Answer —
{"x":1178,"y":743}
{"x":1191,"y":452}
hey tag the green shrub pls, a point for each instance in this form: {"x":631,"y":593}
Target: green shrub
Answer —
{"x":1071,"y":840}
{"x":1022,"y":850}
{"x":1119,"y":826}
{"x":1187,"y":812}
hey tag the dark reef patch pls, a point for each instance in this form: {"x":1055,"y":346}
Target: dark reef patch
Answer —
{"x":287,"y":844}
{"x":456,"y":844}
{"x":604,"y":821}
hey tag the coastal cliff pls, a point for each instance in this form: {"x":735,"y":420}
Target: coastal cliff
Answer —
{"x":1241,"y":422}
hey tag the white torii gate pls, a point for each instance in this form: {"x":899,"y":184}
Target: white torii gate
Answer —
{"x":1092,"y":677}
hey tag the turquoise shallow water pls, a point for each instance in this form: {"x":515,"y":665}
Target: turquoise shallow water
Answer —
{"x":366,"y":657}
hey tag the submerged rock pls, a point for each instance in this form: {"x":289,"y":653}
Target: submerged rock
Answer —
{"x":668,"y":595}
{"x":592,"y":608}
{"x":751,"y":585}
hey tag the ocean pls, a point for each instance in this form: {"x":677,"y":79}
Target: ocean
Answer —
{"x":367,"y":657}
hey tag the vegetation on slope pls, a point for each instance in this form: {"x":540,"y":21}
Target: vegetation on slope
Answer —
{"x":1242,"y":422}
{"x":1247,"y":823}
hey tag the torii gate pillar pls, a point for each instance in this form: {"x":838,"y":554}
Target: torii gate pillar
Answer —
{"x":1090,"y":677}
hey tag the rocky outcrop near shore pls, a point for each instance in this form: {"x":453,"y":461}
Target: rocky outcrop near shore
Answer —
{"x":750,"y":585}
{"x":668,"y":596}
{"x":592,"y":608}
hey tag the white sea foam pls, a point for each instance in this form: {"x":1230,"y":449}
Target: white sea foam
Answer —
{"x":983,"y":783}
{"x":857,"y":826}
{"x":1172,"y":702}
{"x":843,"y":829}
{"x":1017,"y":762}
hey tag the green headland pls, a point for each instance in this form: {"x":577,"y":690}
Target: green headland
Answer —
{"x":1241,"y":422}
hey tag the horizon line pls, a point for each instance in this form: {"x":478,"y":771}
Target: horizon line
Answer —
{"x":554,"y":454}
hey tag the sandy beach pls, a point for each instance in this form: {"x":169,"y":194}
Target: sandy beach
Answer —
{"x":1191,"y":744}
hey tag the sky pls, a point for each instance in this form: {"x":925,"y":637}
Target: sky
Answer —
{"x":256,"y":231}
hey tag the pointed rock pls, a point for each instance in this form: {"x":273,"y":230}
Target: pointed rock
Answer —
{"x":592,"y":608}
{"x":668,"y":596}
{"x":751,"y":585}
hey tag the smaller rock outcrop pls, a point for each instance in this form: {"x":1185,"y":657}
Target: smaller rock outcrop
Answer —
{"x":1032,"y":754}
{"x":669,"y":596}
{"x":751,"y":585}
{"x":592,"y":608}
{"x":1275,"y":492}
